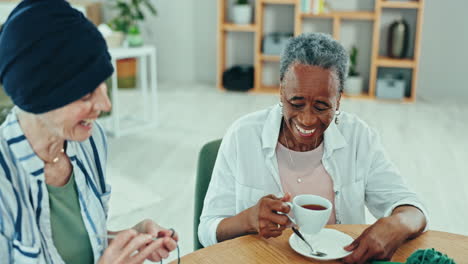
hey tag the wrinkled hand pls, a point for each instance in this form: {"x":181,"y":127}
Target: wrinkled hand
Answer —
{"x":169,"y":238}
{"x":265,"y":220}
{"x":379,"y":241}
{"x":136,"y":245}
{"x":130,"y":247}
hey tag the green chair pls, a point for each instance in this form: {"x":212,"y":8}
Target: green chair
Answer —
{"x":206,"y":161}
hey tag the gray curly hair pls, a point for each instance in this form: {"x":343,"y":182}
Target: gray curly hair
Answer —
{"x":316,"y":49}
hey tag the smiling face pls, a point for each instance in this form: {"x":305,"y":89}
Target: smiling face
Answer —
{"x":75,"y":120}
{"x":310,"y":97}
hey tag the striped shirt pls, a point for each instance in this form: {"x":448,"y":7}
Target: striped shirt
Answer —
{"x":25,"y":229}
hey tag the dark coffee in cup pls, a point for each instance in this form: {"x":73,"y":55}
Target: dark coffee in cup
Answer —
{"x":311,"y":212}
{"x":314,"y":207}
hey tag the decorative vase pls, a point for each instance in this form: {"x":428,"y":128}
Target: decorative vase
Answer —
{"x":114,"y":40}
{"x":353,"y":85}
{"x":134,"y":38}
{"x":398,"y":39}
{"x":242,"y":14}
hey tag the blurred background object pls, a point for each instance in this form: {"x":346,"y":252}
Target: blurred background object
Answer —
{"x":354,"y":82}
{"x":242,"y":12}
{"x":398,"y":39}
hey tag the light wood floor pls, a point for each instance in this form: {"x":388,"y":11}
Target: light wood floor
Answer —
{"x":153,"y":171}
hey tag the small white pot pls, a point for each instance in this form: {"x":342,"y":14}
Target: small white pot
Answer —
{"x":115,"y":39}
{"x":353,"y":85}
{"x":242,"y":14}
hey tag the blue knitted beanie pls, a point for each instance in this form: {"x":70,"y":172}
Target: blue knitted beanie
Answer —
{"x":50,"y":55}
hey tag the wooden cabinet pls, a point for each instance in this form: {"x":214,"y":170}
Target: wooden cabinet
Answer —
{"x":337,"y":18}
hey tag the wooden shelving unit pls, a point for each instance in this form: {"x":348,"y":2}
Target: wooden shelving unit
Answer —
{"x":239,"y":28}
{"x":269,"y":57}
{"x":337,"y":18}
{"x":279,"y":2}
{"x":378,"y":61}
{"x":357,"y":15}
{"x":395,"y":63}
{"x":266,"y":89}
{"x":260,"y":58}
{"x":399,"y":4}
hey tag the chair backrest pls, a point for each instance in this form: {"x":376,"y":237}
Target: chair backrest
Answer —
{"x":206,"y":161}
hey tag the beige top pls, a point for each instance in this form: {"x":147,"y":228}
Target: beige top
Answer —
{"x":305,"y":174}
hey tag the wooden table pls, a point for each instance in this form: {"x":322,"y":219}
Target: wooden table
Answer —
{"x":253,"y":249}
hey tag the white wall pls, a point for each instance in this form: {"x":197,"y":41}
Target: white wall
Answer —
{"x":444,"y":52}
{"x":172,"y":31}
{"x":205,"y":19}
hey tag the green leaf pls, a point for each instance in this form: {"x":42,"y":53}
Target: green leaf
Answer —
{"x":150,"y":7}
{"x":130,"y":11}
{"x":140,"y":15}
{"x":353,"y":60}
{"x":134,"y":30}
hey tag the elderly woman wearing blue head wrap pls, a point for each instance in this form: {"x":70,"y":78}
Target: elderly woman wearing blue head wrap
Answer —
{"x":53,"y":192}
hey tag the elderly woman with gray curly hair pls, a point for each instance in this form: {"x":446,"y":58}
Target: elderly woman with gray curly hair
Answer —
{"x":306,"y":145}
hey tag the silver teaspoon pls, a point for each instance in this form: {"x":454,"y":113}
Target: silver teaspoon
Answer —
{"x":296,"y":231}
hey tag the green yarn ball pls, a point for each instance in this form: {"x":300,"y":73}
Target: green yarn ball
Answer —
{"x":429,"y":256}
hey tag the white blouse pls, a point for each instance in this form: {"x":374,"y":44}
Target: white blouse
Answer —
{"x":246,"y":169}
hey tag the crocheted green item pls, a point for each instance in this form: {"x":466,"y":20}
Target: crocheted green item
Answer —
{"x":424,"y":256}
{"x":429,"y":256}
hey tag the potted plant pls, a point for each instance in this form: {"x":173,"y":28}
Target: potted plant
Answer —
{"x":242,"y":12}
{"x":130,"y":13}
{"x":353,"y":85}
{"x":5,"y":105}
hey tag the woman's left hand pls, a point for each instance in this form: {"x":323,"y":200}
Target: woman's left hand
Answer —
{"x":170,"y":237}
{"x":379,"y":241}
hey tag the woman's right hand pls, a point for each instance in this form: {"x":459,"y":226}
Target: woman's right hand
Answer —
{"x":125,"y":248}
{"x":264,"y":219}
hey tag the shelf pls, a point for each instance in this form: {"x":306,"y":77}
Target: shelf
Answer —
{"x":395,"y":63}
{"x":279,"y":2}
{"x":266,"y":90}
{"x":366,"y":96}
{"x":398,"y":4}
{"x":404,"y":100}
{"x":240,"y":28}
{"x":351,"y":15}
{"x":338,"y":19}
{"x":358,"y":96}
{"x":273,"y":58}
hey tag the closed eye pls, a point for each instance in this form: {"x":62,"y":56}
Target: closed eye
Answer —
{"x":320,"y":108}
{"x":297,"y":106}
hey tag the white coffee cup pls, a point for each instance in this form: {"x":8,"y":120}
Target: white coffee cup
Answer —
{"x":310,"y":221}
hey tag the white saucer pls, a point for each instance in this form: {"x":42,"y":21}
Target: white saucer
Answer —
{"x":329,"y":241}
